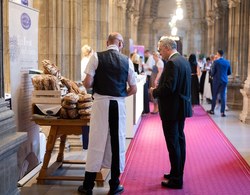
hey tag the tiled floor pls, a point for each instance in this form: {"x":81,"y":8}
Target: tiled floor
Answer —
{"x":237,"y":132}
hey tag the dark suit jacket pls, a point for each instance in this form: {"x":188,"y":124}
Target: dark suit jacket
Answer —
{"x":174,"y":89}
{"x":221,"y":69}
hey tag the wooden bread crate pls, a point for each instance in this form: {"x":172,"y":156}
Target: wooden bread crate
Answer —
{"x":46,"y":97}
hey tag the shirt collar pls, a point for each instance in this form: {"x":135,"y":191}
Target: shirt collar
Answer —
{"x":113,"y":47}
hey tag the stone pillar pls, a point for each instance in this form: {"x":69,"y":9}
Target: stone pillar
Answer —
{"x":60,"y":35}
{"x":10,"y":141}
{"x":210,"y":31}
{"x":121,"y":7}
{"x":245,"y":114}
{"x":234,"y":99}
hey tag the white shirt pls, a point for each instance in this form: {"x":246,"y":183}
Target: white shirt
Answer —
{"x":149,"y":65}
{"x":84,"y":63}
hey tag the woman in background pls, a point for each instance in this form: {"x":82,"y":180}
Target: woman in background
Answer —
{"x":87,"y":52}
{"x":155,"y":77}
{"x":136,"y":61}
{"x":195,"y":72}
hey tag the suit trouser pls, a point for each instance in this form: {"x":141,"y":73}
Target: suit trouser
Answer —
{"x":219,"y":88}
{"x":115,"y":164}
{"x":176,"y":144}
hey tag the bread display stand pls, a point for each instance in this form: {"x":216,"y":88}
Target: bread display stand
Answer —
{"x":60,"y":128}
{"x":46,"y":104}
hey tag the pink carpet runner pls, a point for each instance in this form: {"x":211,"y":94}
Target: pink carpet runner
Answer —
{"x":213,"y":166}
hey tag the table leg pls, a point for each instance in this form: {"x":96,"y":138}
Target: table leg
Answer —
{"x":49,"y":148}
{"x":61,"y":148}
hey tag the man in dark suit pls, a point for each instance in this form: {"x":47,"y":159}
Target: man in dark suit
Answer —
{"x":174,"y":99}
{"x":220,"y":71}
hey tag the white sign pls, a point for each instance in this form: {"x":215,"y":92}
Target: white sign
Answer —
{"x":23,"y":43}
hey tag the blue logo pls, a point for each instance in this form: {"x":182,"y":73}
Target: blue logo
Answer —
{"x":25,"y":21}
{"x":25,"y":2}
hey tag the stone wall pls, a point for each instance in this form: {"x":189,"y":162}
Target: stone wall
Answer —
{"x":10,"y":141}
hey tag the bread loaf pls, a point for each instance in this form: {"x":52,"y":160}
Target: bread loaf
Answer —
{"x":84,"y":104}
{"x":50,"y":68}
{"x":67,"y":105}
{"x":71,"y":98}
{"x":86,"y":111}
{"x":63,"y":113}
{"x":71,"y":85}
{"x":72,"y":113}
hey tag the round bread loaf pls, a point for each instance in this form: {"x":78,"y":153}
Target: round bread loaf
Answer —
{"x":81,"y":105}
{"x":67,"y":105}
{"x":63,"y":113}
{"x":71,"y":98}
{"x":87,"y":98}
{"x":81,"y":97}
{"x":85,"y":111}
{"x":72,"y":113}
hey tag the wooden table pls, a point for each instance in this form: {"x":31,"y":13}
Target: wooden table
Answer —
{"x":61,"y":128}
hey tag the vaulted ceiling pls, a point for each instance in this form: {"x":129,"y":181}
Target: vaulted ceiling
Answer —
{"x":158,"y":13}
{"x":163,"y":10}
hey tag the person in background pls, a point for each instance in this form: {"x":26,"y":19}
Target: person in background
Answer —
{"x":212,"y":58}
{"x":155,"y":77}
{"x":136,"y":61}
{"x":87,"y":52}
{"x":207,"y":90}
{"x":220,"y":71}
{"x":203,"y":71}
{"x":174,"y":98}
{"x":195,"y":72}
{"x":111,"y":74}
{"x":147,"y":67}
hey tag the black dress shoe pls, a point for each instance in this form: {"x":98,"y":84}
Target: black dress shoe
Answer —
{"x":210,"y":111}
{"x":167,"y":176}
{"x":172,"y":184}
{"x":84,"y":191}
{"x":117,"y":191}
{"x":223,"y":115}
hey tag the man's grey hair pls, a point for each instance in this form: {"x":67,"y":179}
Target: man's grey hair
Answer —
{"x":168,"y":42}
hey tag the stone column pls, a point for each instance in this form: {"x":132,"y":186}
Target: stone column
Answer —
{"x":210,"y":18}
{"x":60,"y":35}
{"x":234,"y":99}
{"x":245,"y":114}
{"x":147,"y":33}
{"x":243,"y":39}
